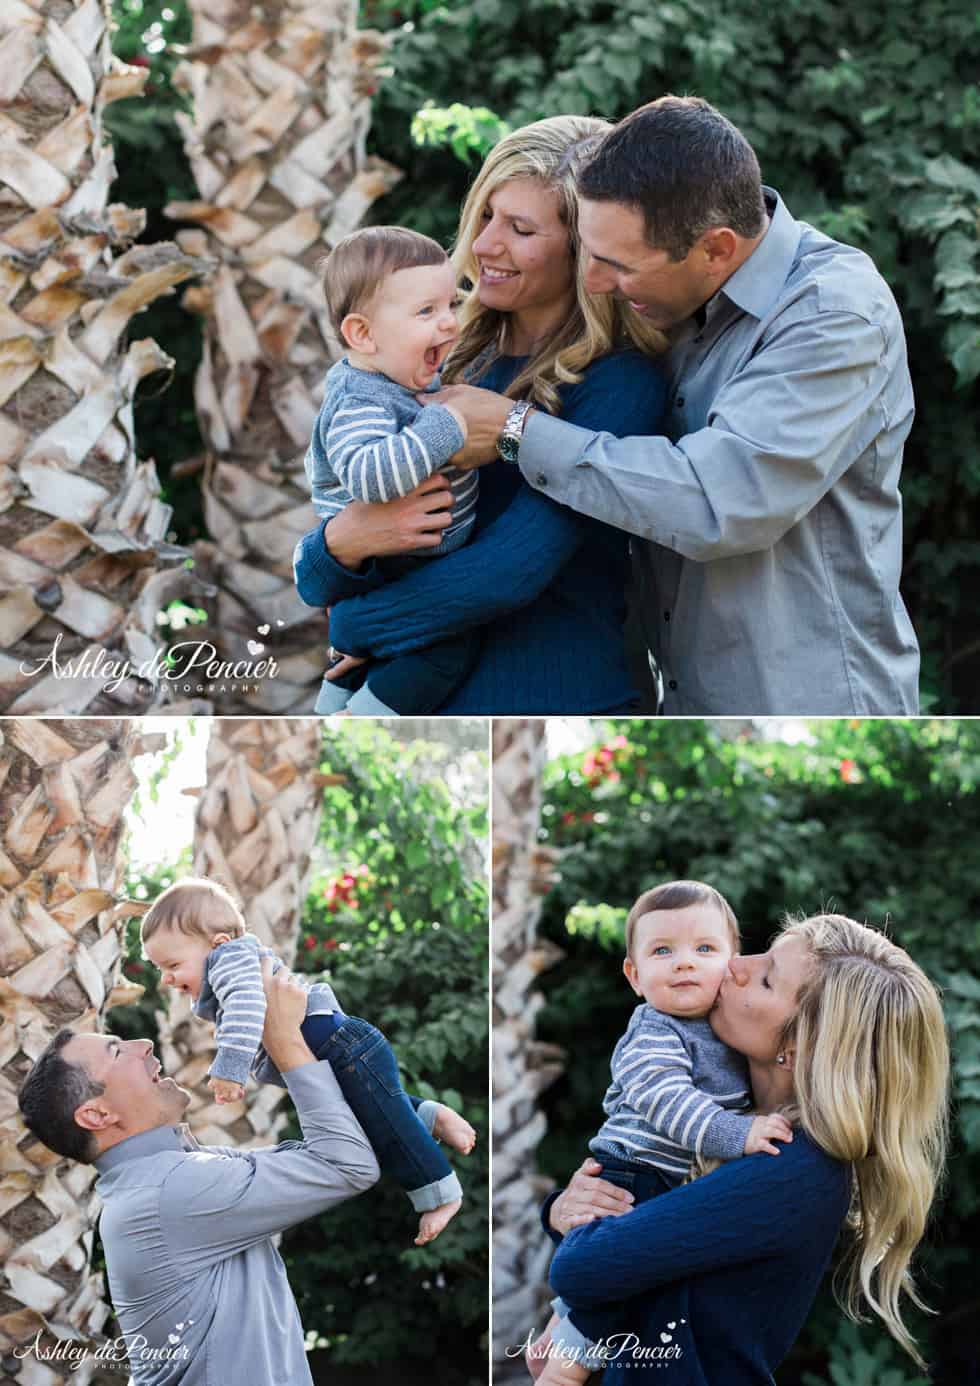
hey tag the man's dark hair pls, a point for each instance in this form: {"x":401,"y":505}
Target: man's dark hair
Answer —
{"x":49,"y":1098}
{"x":682,"y":165}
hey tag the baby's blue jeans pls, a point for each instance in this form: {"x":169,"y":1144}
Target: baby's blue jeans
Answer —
{"x":398,"y":1126}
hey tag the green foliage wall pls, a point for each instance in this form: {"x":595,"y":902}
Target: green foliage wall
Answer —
{"x":875,"y":819}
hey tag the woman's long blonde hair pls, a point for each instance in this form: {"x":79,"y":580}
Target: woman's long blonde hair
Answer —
{"x":871,"y":1076}
{"x":547,"y":150}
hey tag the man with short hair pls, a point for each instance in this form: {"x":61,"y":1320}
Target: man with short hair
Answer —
{"x":769,"y":516}
{"x":198,"y":1287}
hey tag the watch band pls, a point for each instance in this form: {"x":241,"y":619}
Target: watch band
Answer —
{"x":509,"y":439}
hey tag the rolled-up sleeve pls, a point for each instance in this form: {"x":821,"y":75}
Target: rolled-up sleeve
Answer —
{"x":780,"y":432}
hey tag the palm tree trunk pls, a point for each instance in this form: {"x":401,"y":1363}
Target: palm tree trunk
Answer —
{"x":83,"y":558}
{"x":256,"y":826}
{"x":281,"y":113}
{"x":64,"y":786}
{"x":522,"y":1066}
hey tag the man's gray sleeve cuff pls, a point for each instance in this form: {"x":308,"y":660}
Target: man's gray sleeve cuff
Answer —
{"x":550,"y":450}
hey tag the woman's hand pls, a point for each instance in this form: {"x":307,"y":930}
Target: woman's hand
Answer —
{"x":485,"y":414}
{"x":586,"y":1198}
{"x":366,"y":529}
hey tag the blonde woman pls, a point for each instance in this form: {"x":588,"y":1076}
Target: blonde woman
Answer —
{"x":545,"y":586}
{"x":844,"y":1033}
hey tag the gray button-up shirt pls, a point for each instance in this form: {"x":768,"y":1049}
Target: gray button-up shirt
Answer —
{"x":771,"y":508}
{"x":199,"y":1289}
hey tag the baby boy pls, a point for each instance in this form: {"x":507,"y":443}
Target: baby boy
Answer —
{"x":195,"y":934}
{"x":391,"y":298}
{"x":677,"y":1091}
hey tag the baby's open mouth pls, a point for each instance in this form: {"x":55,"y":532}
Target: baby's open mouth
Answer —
{"x":435,"y":356}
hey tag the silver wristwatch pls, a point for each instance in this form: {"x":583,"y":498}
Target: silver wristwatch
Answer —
{"x":509,"y":438}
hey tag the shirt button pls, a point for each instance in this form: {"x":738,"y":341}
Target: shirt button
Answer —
{"x":666,"y":615}
{"x":541,"y":479}
{"x":672,"y":685}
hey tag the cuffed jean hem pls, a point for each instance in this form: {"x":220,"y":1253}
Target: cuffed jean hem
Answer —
{"x":365,"y":704}
{"x":427,"y":1112}
{"x":331,"y":698}
{"x":434,"y":1195}
{"x":573,"y":1344}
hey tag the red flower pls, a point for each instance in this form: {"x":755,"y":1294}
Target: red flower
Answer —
{"x":333,"y":907}
{"x":309,"y":943}
{"x":331,"y":944}
{"x":139,"y":61}
{"x":569,"y":817}
{"x":848,"y":771}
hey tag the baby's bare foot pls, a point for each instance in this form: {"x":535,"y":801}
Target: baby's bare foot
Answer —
{"x":432,"y":1223}
{"x":454,"y":1130}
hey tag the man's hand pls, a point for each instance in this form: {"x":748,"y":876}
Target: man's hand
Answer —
{"x":586,"y":1198}
{"x":285,"y":1009}
{"x":374,"y":529}
{"x":485,"y":414}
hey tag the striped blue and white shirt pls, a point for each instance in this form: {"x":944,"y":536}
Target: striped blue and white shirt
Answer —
{"x":373,"y":441}
{"x":233,"y":999}
{"x":676,"y":1092}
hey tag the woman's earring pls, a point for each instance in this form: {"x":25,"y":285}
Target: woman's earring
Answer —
{"x":780,"y":1058}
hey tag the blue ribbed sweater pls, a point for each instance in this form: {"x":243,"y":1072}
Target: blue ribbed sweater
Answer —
{"x":724,"y":1270}
{"x":545,"y":584}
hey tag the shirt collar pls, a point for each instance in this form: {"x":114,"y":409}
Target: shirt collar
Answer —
{"x":145,"y":1143}
{"x":756,"y":285}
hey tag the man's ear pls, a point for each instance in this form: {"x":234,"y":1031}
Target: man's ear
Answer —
{"x":356,"y":332}
{"x":631,"y":975}
{"x":95,"y":1116}
{"x":719,"y":246}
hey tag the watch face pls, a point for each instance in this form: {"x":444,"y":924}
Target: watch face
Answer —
{"x":508,"y":447}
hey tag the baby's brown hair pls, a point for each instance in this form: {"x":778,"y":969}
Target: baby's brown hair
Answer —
{"x":678,"y":895}
{"x":359,"y":264}
{"x":194,"y":906}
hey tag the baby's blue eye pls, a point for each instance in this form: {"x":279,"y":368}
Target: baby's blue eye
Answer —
{"x":706,"y":947}
{"x":661,"y":952}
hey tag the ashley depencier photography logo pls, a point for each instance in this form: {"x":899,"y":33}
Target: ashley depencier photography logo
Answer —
{"x":191,"y":666}
{"x":126,"y":1350}
{"x":616,"y":1347}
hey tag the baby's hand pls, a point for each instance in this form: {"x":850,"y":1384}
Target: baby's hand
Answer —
{"x":225,"y":1090}
{"x":763,"y":1131}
